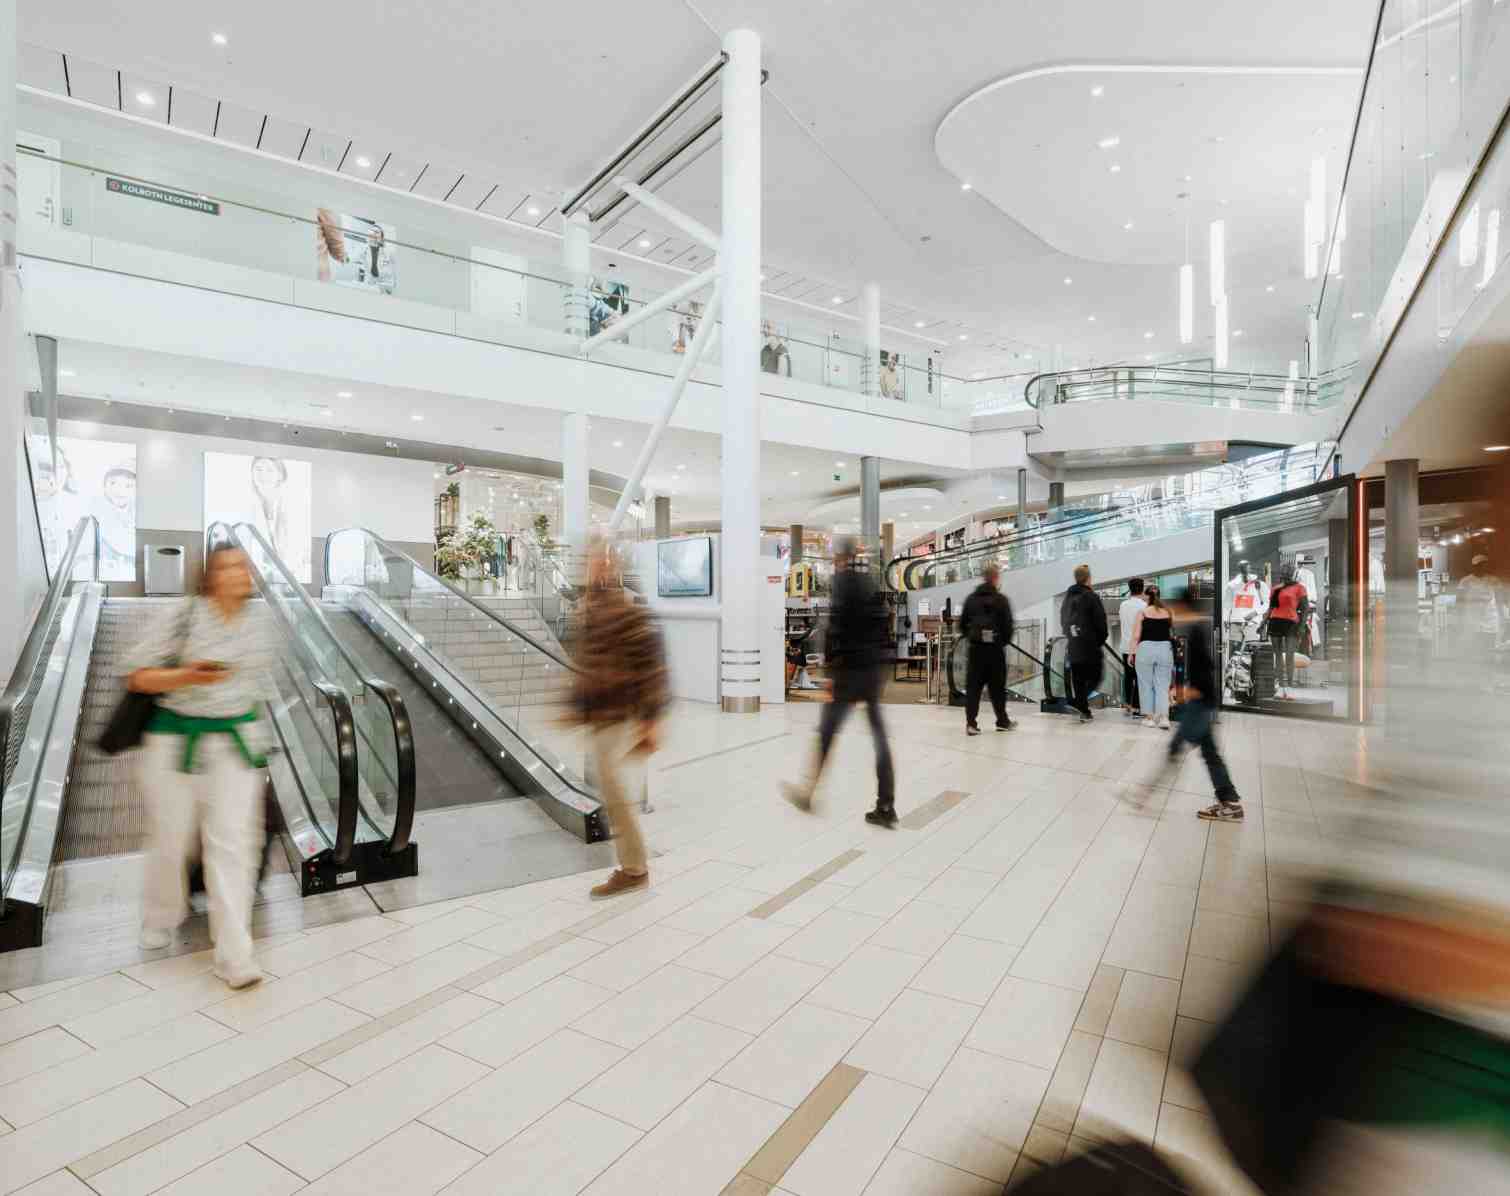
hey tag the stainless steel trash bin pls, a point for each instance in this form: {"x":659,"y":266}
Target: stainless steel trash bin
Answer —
{"x":163,"y":568}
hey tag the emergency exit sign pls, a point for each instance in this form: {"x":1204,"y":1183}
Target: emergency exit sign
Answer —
{"x":174,"y":199}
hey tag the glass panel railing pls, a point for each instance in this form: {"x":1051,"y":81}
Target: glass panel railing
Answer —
{"x":1429,"y":113}
{"x":1180,"y":384}
{"x":20,"y":715}
{"x":1119,"y":518}
{"x":501,"y":654}
{"x":315,"y":671}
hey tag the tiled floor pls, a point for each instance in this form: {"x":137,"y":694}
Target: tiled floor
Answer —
{"x":800,"y":1004}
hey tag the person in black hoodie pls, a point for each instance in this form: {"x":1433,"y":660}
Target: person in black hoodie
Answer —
{"x":1082,"y":618}
{"x":857,"y":632}
{"x":1196,"y":716}
{"x":986,"y":623}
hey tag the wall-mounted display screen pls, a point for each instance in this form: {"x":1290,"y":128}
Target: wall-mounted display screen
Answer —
{"x":684,"y":568}
{"x":270,"y":493}
{"x":91,"y":477}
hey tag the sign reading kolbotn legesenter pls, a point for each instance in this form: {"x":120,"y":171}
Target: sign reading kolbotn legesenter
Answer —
{"x":175,"y":199}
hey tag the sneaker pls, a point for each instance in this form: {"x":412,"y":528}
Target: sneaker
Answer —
{"x":1148,"y":721}
{"x":154,"y":940}
{"x":239,"y":976}
{"x":880,"y":817}
{"x":971,"y":729}
{"x":797,"y":796}
{"x":1009,"y":725}
{"x":619,"y":882}
{"x":1085,"y":718}
{"x":1222,"y":811}
{"x":1164,"y":723}
{"x":1130,"y":712}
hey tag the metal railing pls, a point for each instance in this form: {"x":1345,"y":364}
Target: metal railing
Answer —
{"x":1181,"y":384}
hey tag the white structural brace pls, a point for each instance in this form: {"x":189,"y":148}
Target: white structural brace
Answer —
{"x":678,"y":385}
{"x":654,"y":307}
{"x":649,"y":199}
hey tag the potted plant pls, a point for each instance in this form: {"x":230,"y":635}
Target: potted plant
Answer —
{"x":477,"y":549}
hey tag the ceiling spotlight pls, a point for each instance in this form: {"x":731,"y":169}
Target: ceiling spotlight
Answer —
{"x":795,"y":473}
{"x":144,"y":98}
{"x":66,"y":373}
{"x":618,"y":444}
{"x":343,"y":394}
{"x":964,"y":336}
{"x":417,"y":417}
{"x":532,"y":211}
{"x":681,"y":467}
{"x":965,"y":187}
{"x":1067,"y":281}
{"x":1148,"y":336}
{"x":1109,"y":143}
{"x":1358,"y":315}
{"x":837,"y":299}
{"x":364,"y":162}
{"x":645,"y":244}
{"x":838,"y":464}
{"x":919,"y":323}
{"x":1115,"y":168}
{"x":1237,"y":332}
{"x":1270,"y":288}
{"x":1098,"y":91}
{"x":1127,"y":228}
{"x":219,"y":39}
{"x":1091,"y":319}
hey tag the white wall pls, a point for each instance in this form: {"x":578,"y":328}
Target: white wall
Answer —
{"x":690,"y":627}
{"x":392,"y":497}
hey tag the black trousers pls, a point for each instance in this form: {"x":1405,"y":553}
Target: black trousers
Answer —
{"x":1193,"y":725}
{"x":1284,"y":636}
{"x":1129,"y":683}
{"x":1084,"y":676}
{"x":834,"y":714}
{"x":987,"y":667}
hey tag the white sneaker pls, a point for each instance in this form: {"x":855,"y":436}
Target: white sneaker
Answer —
{"x":154,"y":940}
{"x":1164,"y":723}
{"x":239,"y":976}
{"x":1148,"y":721}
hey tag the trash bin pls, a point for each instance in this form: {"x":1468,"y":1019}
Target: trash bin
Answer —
{"x":163,"y":568}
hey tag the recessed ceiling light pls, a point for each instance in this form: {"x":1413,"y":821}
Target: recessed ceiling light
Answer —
{"x":417,"y":417}
{"x":1115,"y":168}
{"x":904,"y":515}
{"x":145,"y":99}
{"x":1187,"y":178}
{"x":1497,"y":448}
{"x":1092,"y":319}
{"x":1358,"y":315}
{"x":999,"y":497}
{"x":1098,"y":91}
{"x":838,"y":464}
{"x":364,"y":162}
{"x":1127,"y":228}
{"x":65,"y":373}
{"x":618,"y":444}
{"x":219,"y":39}
{"x":343,"y":394}
{"x":1148,"y":336}
{"x":681,"y":467}
{"x":644,"y":243}
{"x":532,"y":211}
{"x":1067,"y":281}
{"x":1109,"y":143}
{"x":1270,"y":288}
{"x":1237,"y":332}
{"x":795,"y":473}
{"x":964,"y":336}
{"x":1148,"y":357}
{"x":837,"y":299}
{"x":919,"y":323}
{"x":965,"y":187}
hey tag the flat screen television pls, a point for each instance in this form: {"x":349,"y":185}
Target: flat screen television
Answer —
{"x":684,"y":568}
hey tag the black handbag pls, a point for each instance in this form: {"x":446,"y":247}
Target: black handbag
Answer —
{"x":128,"y":723}
{"x":1117,"y":1169}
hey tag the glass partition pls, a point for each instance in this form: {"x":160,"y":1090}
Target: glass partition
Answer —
{"x":1287,"y":616}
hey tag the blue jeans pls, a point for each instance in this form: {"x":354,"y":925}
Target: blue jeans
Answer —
{"x":1194,"y":727}
{"x":1155,"y":671}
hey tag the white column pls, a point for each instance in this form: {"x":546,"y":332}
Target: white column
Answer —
{"x":870,"y":321}
{"x":17,"y":600}
{"x":576,"y":264}
{"x":574,"y":520}
{"x":739,"y":262}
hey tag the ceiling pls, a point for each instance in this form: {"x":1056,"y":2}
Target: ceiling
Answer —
{"x":507,"y":108}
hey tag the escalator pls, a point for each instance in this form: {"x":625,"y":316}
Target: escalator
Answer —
{"x":1040,"y":680}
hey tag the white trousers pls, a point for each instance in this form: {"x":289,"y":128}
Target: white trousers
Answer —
{"x":214,"y":814}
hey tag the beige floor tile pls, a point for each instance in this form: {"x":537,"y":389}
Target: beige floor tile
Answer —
{"x":919,"y":929}
{"x":554,"y":960}
{"x":753,"y":1001}
{"x":1122,"y":1098}
{"x":907,"y":1174}
{"x":164,"y":973}
{"x":1158,"y":950}
{"x":174,"y":1157}
{"x":628,"y":963}
{"x":1211,"y":988}
{"x":38,"y":1052}
{"x":1012,"y":911}
{"x":1145,"y":1011}
{"x":65,"y":1084}
{"x":414,"y":1161}
{"x":243,"y":1172}
{"x":1100,"y":998}
{"x":867,"y":982}
{"x":557,"y":1156}
{"x":787,"y":1060}
{"x":1026,"y":1021}
{"x":431,"y":936}
{"x":527,"y":1020}
{"x":512,"y":934}
{"x":1066,"y":1091}
{"x":1066,"y":958}
{"x":711,"y":913}
{"x":372,"y":1055}
{"x":730,"y":951}
{"x":649,"y":1083}
{"x":127,"y":1019}
{"x":883,"y":896}
{"x":1230,"y":937}
{"x":200,"y":1076}
{"x":1179,"y":1088}
{"x":850,"y":1148}
{"x":38,"y":1150}
{"x":354,"y":1120}
{"x":487,"y":1114}
{"x":695,"y":1151}
{"x":915,"y":1038}
{"x":56,"y":1007}
{"x":978,"y":1114}
{"x":1192,"y":1144}
{"x":966,"y":969}
{"x":830,"y":938}
{"x":59,"y":1183}
{"x":318,"y":947}
{"x":253,"y":1007}
{"x":960,"y":889}
{"x":408,"y":982}
{"x":632,"y":1018}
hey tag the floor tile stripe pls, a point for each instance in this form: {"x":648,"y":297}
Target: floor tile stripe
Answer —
{"x":356,"y":1036}
{"x":934,"y":807}
{"x":791,"y":1138}
{"x":809,"y":882}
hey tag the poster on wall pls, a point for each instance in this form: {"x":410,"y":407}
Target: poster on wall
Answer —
{"x":684,"y":326}
{"x":775,"y":356}
{"x":92,"y":477}
{"x":354,"y":251}
{"x":608,"y":303}
{"x":270,"y":493}
{"x":891,"y":375}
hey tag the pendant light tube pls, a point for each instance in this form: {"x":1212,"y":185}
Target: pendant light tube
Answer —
{"x":1218,"y":261}
{"x":1220,"y":353}
{"x":1187,"y":303}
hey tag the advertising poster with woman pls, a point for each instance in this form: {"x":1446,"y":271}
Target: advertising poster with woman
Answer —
{"x":270,"y":493}
{"x":92,"y":477}
{"x":355,"y":252}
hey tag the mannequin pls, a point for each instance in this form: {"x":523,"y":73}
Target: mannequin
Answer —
{"x":1247,"y":597}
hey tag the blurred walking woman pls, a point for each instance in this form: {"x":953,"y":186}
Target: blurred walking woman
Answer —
{"x":1155,"y":658}
{"x":200,"y":764}
{"x":621,"y":692}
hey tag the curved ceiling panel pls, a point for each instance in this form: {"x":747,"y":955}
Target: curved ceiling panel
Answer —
{"x":1110,"y":164}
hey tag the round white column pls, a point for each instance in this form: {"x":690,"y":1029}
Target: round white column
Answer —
{"x":739,"y":266}
{"x":576,"y":263}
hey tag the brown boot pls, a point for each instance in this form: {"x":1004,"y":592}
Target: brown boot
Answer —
{"x":620,"y":882}
{"x":800,"y":796}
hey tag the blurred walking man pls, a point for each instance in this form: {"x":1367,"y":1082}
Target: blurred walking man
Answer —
{"x":987,"y":624}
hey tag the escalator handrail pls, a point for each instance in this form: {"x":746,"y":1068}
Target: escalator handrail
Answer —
{"x":405,"y":783}
{"x":1303,"y":388}
{"x":467,"y":598}
{"x":31,"y":650}
{"x":403,"y":732}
